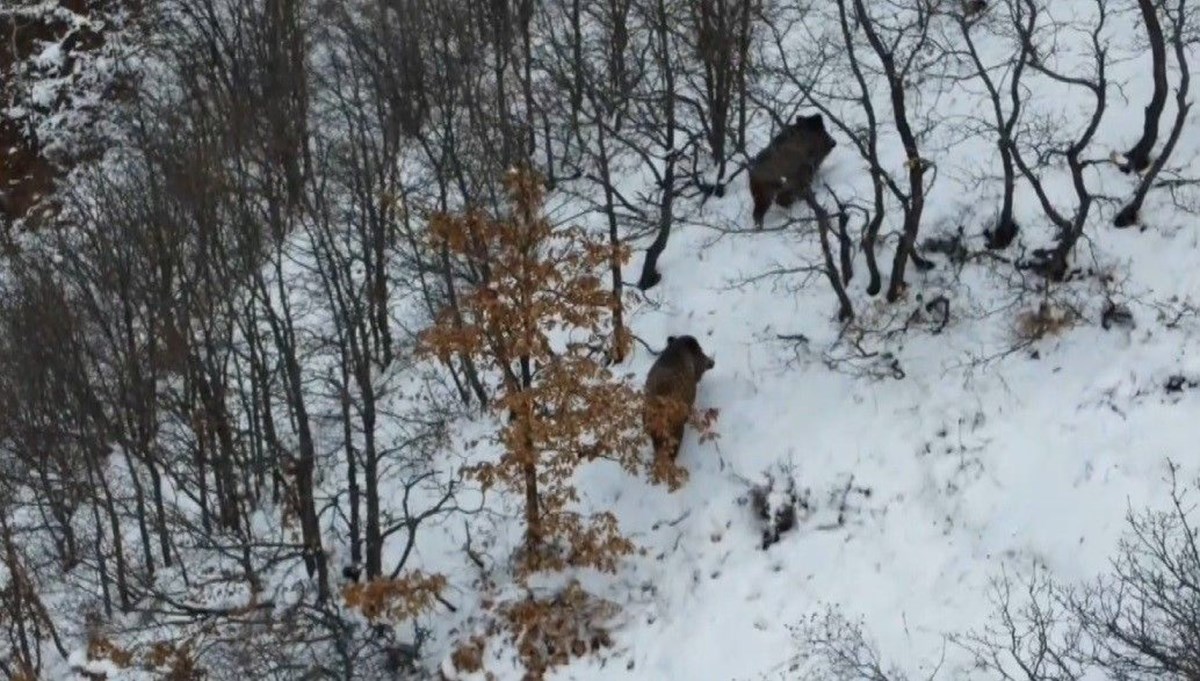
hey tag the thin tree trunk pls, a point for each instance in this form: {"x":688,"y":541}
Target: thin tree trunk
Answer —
{"x":114,"y":523}
{"x":650,"y":275}
{"x":98,"y":547}
{"x":139,"y":497}
{"x":1128,"y":215}
{"x":371,"y":479}
{"x":1139,"y":156}
{"x":16,"y":591}
{"x":614,"y":242}
{"x":845,"y":307}
{"x":353,"y":499}
{"x":160,"y":514}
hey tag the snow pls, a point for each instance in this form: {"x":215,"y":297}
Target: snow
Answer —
{"x":978,"y":455}
{"x":979,"y":459}
{"x":49,"y":58}
{"x":60,"y":92}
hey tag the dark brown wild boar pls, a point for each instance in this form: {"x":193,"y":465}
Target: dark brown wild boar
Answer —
{"x":671,"y":393}
{"x":784,"y":170}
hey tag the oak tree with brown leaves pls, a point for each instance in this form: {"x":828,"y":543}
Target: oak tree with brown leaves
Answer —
{"x":394,"y":600}
{"x":541,"y":317}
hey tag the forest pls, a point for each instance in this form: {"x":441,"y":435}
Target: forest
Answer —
{"x":325,"y":328}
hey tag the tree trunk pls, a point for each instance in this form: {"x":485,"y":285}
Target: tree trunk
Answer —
{"x":650,"y":275}
{"x":353,"y":493}
{"x":614,"y":242}
{"x":1139,"y":156}
{"x":533,"y":514}
{"x":371,"y":480}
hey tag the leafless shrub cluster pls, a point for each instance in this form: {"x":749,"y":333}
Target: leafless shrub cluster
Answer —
{"x":1136,"y":622}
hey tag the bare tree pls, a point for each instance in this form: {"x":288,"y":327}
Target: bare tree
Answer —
{"x":1005,"y":97}
{"x":1033,"y":640}
{"x":657,"y":120}
{"x":1180,"y":38}
{"x":831,"y":647}
{"x":1036,"y":146}
{"x":824,"y":227}
{"x":913,"y":33}
{"x":723,"y":31}
{"x":1138,"y":157}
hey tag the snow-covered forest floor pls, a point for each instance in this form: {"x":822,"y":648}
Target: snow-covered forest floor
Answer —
{"x":989,"y":424}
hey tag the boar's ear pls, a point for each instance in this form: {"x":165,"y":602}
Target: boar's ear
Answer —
{"x":670,"y":340}
{"x":814,"y":122}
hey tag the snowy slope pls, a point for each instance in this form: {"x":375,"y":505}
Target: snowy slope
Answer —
{"x":985,"y":456}
{"x":965,"y":451}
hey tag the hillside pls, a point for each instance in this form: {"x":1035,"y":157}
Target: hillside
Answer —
{"x":219,"y":422}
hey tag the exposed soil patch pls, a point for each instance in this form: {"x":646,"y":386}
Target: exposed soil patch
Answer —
{"x":25,"y":176}
{"x":40,"y":43}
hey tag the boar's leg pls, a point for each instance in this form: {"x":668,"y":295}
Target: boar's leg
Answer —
{"x":762,"y":193}
{"x":786,"y":197}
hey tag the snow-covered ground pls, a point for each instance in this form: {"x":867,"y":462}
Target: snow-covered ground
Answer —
{"x":1025,"y":460}
{"x":970,"y":470}
{"x":991,"y":453}
{"x":965,"y":451}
